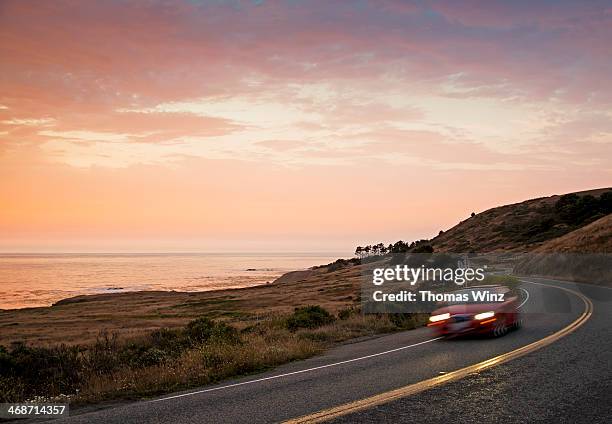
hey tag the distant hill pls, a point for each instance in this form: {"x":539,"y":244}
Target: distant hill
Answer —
{"x":526,"y":226}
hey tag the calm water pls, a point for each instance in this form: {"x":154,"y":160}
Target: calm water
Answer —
{"x":40,"y":280}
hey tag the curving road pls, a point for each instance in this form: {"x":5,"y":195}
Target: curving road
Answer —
{"x":569,"y":380}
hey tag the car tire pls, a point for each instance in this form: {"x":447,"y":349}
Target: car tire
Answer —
{"x":500,"y":328}
{"x":518,"y":323}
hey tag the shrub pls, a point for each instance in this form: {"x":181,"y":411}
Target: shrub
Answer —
{"x":11,"y":390}
{"x":309,"y":317}
{"x":102,"y":357}
{"x":605,"y":202}
{"x":399,"y":247}
{"x":423,"y":248}
{"x":345,"y":313}
{"x":214,"y":359}
{"x":576,"y":210}
{"x":152,"y":356}
{"x":170,"y":340}
{"x":339,"y":264}
{"x":204,"y":329}
{"x":29,"y":371}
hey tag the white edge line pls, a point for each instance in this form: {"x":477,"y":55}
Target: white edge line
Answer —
{"x":295,"y":372}
{"x":526,"y":298}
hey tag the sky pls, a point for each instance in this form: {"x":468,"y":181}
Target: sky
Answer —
{"x":291,"y":125}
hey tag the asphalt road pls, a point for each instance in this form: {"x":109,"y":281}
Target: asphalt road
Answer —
{"x":567,"y":381}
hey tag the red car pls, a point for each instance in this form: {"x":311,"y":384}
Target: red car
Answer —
{"x":477,"y":310}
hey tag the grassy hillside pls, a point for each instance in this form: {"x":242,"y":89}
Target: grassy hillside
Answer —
{"x":523,"y":227}
{"x":584,"y":255}
{"x":595,"y":237}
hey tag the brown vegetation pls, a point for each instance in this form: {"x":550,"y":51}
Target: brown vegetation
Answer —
{"x":595,"y":237}
{"x":519,"y":227}
{"x":166,"y":360}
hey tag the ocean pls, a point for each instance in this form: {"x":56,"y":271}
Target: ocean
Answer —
{"x":29,"y":280}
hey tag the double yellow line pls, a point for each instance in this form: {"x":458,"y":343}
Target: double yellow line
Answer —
{"x":359,"y":405}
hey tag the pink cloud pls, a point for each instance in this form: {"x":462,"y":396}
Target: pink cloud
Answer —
{"x":282,"y":145}
{"x":94,"y":52}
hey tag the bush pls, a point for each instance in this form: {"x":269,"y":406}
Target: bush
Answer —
{"x":576,"y":210}
{"x":204,"y":329}
{"x":169,"y":340}
{"x":29,"y":371}
{"x":339,"y":264}
{"x":345,"y":313}
{"x":309,"y":317}
{"x":423,"y":248}
{"x":152,"y":356}
{"x":11,"y":390}
{"x":102,"y":357}
{"x":605,"y":202}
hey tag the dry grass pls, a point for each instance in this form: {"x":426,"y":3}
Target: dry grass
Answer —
{"x":593,"y":238}
{"x":203,"y":365}
{"x":265,"y":347}
{"x":584,"y":255}
{"x":171,"y":360}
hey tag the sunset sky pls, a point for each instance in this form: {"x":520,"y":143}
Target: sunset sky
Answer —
{"x":291,"y":125}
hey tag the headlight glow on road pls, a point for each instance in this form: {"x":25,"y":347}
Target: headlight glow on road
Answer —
{"x":441,"y":317}
{"x":484,"y":315}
